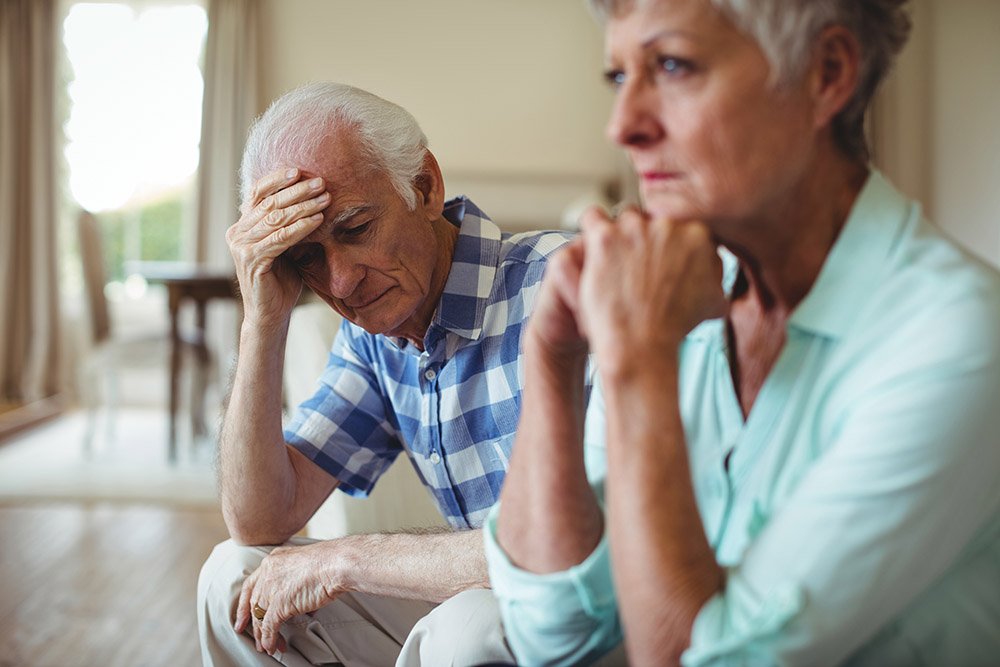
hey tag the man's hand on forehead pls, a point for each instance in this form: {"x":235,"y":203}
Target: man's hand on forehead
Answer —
{"x":286,"y":207}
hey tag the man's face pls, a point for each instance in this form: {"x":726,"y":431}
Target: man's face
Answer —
{"x":372,"y":259}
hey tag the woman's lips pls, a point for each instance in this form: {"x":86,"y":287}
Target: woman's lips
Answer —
{"x":659,"y":176}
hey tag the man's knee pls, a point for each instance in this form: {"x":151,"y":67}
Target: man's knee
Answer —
{"x":223,"y":574}
{"x":463,"y":630}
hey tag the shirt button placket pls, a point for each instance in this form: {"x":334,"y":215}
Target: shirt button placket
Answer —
{"x":431,"y":375}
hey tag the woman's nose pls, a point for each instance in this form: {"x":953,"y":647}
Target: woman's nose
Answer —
{"x":634,"y":118}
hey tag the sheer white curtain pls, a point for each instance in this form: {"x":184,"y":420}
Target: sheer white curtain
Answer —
{"x":230,"y":104}
{"x":29,"y":300}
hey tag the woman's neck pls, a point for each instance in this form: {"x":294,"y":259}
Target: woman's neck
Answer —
{"x":785,"y":248}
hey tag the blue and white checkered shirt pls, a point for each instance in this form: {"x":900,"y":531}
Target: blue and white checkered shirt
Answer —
{"x":453,"y":407}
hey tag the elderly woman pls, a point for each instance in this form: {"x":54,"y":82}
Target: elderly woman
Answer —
{"x":793,"y":453}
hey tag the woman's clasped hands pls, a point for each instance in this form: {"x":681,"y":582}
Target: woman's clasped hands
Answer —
{"x":629,"y":287}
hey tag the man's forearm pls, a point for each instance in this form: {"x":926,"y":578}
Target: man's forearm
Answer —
{"x":430,"y":566}
{"x":549,"y":518}
{"x":256,"y":478}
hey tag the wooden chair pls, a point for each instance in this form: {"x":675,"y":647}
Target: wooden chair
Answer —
{"x":110,"y":351}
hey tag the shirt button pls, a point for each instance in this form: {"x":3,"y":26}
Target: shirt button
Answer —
{"x":430,"y":375}
{"x":435,"y":458}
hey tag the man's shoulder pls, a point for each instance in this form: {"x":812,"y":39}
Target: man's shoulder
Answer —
{"x":534,"y":246}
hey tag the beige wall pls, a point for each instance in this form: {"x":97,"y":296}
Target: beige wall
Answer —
{"x":965,"y":135}
{"x":937,"y":127}
{"x":507,"y":90}
{"x":510,"y":95}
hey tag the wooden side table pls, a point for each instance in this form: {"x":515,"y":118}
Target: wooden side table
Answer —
{"x":199,"y":285}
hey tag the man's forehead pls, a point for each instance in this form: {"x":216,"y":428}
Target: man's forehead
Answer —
{"x":336,"y":156}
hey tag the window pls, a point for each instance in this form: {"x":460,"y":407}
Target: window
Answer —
{"x":133,"y":124}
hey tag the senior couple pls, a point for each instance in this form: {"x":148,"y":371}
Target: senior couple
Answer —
{"x":791,"y":453}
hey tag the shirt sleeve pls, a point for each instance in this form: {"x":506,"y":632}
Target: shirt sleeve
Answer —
{"x":560,"y":618}
{"x":343,"y":428}
{"x":907,"y":487}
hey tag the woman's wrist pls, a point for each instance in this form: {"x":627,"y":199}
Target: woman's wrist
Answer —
{"x":559,"y":358}
{"x":625,"y":365}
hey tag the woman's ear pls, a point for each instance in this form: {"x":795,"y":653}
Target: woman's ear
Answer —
{"x":429,"y":185}
{"x":835,"y":73}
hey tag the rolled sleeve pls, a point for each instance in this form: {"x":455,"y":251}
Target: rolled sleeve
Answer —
{"x":561,"y":618}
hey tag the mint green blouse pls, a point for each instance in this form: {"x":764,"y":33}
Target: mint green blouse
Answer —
{"x":858,"y":519}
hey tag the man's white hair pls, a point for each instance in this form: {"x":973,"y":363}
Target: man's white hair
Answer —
{"x":786,"y":30}
{"x":297,"y":122}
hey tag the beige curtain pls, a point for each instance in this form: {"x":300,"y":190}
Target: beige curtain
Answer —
{"x":230,"y":104}
{"x":29,"y":298}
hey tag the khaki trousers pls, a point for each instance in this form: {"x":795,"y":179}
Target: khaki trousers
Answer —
{"x":355,"y":629}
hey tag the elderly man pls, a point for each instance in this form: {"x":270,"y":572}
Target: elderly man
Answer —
{"x":347,"y":199}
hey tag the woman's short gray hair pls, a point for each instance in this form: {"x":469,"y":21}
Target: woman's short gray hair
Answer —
{"x":786,"y":30}
{"x":297,"y":122}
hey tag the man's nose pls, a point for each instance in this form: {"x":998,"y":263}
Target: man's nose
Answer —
{"x":635,"y":117}
{"x":344,"y":272}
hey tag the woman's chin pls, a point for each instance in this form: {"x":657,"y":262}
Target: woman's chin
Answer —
{"x":665,"y":203}
{"x":672,"y":209}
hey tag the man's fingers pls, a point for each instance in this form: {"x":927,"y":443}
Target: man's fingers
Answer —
{"x":280,"y":217}
{"x":300,"y":200}
{"x":285,"y":237}
{"x":271,"y":183}
{"x":300,"y":192}
{"x":243,"y":605}
{"x":269,"y":630}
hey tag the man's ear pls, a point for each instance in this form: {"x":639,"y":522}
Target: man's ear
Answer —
{"x":429,"y":185}
{"x":834,"y":74}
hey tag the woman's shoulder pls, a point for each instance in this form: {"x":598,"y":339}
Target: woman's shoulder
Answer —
{"x":934,"y":303}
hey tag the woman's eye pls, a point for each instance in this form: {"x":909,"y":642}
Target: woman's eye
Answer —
{"x":614,"y":77}
{"x":674,"y":66}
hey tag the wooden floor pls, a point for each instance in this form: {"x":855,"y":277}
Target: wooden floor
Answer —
{"x":101,"y":584}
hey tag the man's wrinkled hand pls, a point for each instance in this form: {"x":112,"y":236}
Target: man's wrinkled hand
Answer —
{"x":290,"y":581}
{"x":283,"y":210}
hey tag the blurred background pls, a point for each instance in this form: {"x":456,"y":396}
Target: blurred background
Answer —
{"x":121,"y":127}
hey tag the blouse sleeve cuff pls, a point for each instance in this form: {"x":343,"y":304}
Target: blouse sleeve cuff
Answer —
{"x":564,"y":617}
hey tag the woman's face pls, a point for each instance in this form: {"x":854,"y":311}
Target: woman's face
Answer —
{"x":708,"y":134}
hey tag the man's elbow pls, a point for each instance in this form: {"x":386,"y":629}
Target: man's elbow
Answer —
{"x":252,"y":538}
{"x":254,"y":532}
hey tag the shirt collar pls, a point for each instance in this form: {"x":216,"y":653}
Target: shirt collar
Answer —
{"x":462,"y":307}
{"x":857,"y":260}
